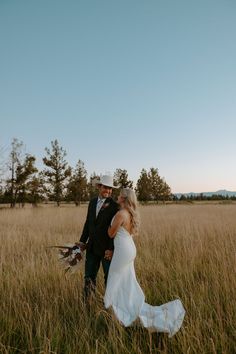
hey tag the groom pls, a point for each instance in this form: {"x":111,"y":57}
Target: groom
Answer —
{"x":99,"y":246}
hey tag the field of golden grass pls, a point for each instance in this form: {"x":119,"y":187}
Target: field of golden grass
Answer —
{"x":183,"y":251}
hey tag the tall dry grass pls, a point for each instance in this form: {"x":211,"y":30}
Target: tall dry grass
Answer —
{"x":185,"y":252}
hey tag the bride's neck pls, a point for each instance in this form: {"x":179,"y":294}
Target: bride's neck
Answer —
{"x":124,"y":208}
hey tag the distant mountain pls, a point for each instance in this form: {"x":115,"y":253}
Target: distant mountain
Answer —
{"x":222,"y":192}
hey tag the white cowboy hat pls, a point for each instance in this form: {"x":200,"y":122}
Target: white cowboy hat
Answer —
{"x":106,"y":180}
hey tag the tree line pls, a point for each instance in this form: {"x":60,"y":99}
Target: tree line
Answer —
{"x":203,"y":197}
{"x":59,"y":182}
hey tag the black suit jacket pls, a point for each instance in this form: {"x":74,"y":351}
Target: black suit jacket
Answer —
{"x":95,"y":228}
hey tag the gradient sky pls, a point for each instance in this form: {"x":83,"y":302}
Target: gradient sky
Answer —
{"x":124,"y":84}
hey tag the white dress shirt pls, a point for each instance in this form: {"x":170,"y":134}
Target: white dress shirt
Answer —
{"x":100,"y":202}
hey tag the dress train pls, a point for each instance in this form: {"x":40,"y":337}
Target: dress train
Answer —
{"x":125,"y":296}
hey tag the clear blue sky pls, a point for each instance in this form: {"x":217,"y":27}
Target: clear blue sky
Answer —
{"x":124,"y":84}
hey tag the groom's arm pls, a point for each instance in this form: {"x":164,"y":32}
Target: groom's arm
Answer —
{"x":85,"y":233}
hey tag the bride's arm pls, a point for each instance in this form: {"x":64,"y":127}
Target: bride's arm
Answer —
{"x":116,"y":223}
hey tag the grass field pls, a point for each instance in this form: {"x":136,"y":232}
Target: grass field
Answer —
{"x":183,"y":251}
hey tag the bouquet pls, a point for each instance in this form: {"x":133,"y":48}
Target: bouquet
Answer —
{"x":70,"y":256}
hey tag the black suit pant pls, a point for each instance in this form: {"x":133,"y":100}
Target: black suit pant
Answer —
{"x":92,"y":265}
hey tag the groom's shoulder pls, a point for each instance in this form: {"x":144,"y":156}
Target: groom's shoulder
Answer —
{"x":93,"y":200}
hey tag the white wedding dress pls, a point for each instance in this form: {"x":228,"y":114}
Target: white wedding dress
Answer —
{"x":126,"y":297}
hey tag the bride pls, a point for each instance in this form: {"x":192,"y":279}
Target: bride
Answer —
{"x":123,"y":292}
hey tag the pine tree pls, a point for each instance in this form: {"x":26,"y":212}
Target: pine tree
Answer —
{"x":155,"y":184}
{"x":14,"y":162}
{"x":21,"y":167}
{"x":57,"y":172}
{"x":92,"y":187}
{"x":36,"y":189}
{"x":77,"y":186}
{"x":23,"y":173}
{"x":143,"y":188}
{"x":165,"y":193}
{"x":121,"y":179}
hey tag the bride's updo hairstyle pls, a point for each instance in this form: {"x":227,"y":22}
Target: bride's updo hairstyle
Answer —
{"x":131,"y":204}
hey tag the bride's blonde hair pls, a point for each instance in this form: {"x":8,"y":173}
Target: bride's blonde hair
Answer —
{"x":131,"y":204}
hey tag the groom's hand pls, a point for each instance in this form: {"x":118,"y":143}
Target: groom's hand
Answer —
{"x":108,"y":255}
{"x":81,"y":245}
